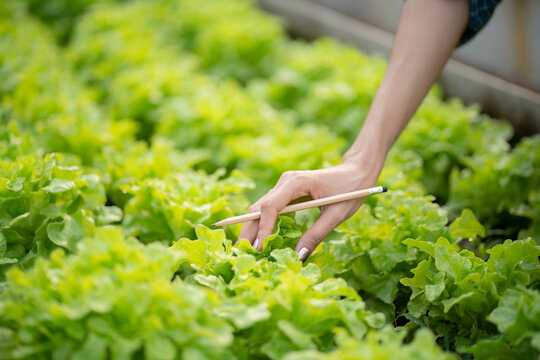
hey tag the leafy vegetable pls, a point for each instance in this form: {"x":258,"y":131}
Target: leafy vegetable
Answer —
{"x":384,"y":344}
{"x":165,"y":210}
{"x":276,"y":305}
{"x":516,"y":318}
{"x":45,"y":202}
{"x":113,"y":299}
{"x":159,"y":117}
{"x":455,"y":291}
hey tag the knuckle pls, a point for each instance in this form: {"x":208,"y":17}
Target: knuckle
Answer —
{"x":300,"y":178}
{"x":267,"y":205}
{"x":287,"y":175}
{"x":253,"y":208}
{"x":300,"y":181}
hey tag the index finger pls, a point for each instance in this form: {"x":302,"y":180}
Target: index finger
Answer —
{"x":276,"y":201}
{"x":249,"y":229}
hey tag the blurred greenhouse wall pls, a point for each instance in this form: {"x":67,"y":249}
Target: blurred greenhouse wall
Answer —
{"x":508,"y":46}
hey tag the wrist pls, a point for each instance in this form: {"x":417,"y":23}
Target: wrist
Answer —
{"x":369,"y":150}
{"x":364,"y":160}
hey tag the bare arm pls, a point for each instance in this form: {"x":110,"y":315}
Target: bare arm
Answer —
{"x":427,"y":34}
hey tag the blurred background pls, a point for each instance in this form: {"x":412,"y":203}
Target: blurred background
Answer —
{"x":508,"y":46}
{"x":499,"y":68}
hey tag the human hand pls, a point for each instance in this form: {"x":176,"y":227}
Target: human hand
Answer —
{"x":346,"y":177}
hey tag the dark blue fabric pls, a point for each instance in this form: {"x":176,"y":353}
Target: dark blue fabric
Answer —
{"x":481,"y":11}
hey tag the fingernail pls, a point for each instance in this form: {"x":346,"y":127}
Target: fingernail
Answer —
{"x":256,"y":244}
{"x":302,"y":254}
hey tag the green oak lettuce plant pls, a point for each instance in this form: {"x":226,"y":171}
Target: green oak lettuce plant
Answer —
{"x":46,"y":97}
{"x":46,"y":202}
{"x":454,"y":292}
{"x":170,"y":208}
{"x":279,"y":307}
{"x":137,"y":161}
{"x":369,"y":252}
{"x":113,"y":299}
{"x":385,"y":344}
{"x":517,"y":318}
{"x":166,"y":94}
{"x":502,"y":190}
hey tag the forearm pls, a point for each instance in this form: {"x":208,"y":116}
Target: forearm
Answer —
{"x":427,"y":34}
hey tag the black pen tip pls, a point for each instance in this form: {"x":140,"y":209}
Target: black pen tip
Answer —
{"x":384,"y":188}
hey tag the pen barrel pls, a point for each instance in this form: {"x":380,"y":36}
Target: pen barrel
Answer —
{"x":328,"y":200}
{"x":307,"y":205}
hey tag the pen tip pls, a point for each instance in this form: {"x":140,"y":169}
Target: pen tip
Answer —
{"x":384,"y":188}
{"x":214,"y":224}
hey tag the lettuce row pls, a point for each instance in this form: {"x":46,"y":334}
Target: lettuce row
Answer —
{"x":384,"y":345}
{"x":321,"y":82}
{"x":454,"y":292}
{"x":165,"y":210}
{"x":144,"y":65}
{"x":175,"y":99}
{"x":316,"y":81}
{"x":47,"y":202}
{"x":280,"y":308}
{"x":517,"y":318}
{"x":40,"y":222}
{"x":502,"y":190}
{"x":113,"y":299}
{"x":46,"y":98}
{"x":50,"y":201}
{"x":369,"y":252}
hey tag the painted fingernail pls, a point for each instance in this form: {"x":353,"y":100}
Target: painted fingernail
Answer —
{"x":256,"y":244}
{"x":302,"y":254}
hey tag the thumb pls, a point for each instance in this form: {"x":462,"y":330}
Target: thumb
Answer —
{"x":327,"y":221}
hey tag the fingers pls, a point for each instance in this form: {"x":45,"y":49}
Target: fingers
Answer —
{"x":330,"y":217}
{"x":249,"y":229}
{"x":275,"y":201}
{"x":296,"y":184}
